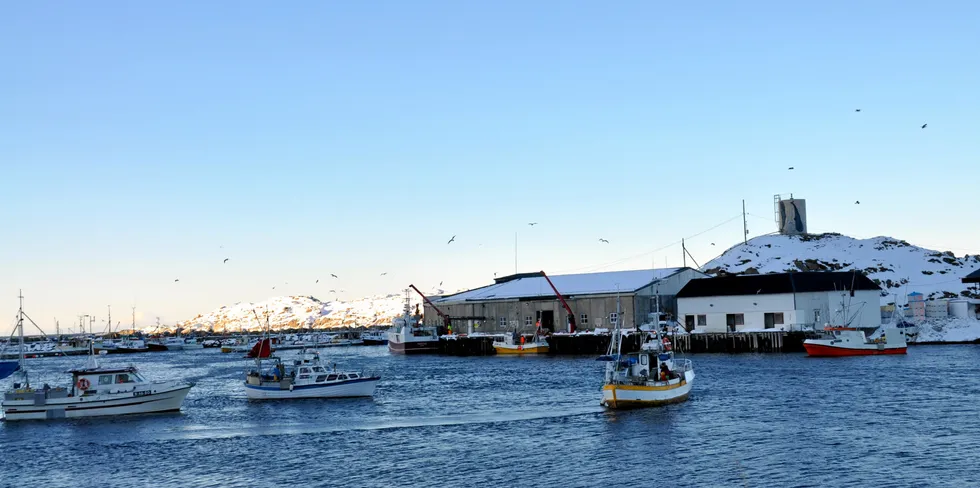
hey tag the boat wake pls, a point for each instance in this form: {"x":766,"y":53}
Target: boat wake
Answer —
{"x":198,"y":432}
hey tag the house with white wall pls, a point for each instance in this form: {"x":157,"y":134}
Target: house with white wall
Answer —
{"x":779,"y":301}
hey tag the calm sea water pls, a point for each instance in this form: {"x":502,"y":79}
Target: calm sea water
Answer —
{"x":752,"y":420}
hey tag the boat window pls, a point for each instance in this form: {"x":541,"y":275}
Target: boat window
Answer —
{"x":321,"y":378}
{"x":304,"y":370}
{"x":123,"y":378}
{"x":304,"y":376}
{"x":353,"y":376}
{"x":331,"y":377}
{"x":342,"y":377}
{"x":105,"y":379}
{"x":319,"y":369}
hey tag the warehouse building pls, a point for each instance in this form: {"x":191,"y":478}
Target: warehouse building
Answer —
{"x":779,"y":301}
{"x":520,"y":301}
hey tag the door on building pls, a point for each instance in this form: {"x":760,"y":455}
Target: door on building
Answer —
{"x":689,"y":322}
{"x":730,"y":321}
{"x":770,"y":321}
{"x":547,"y":318}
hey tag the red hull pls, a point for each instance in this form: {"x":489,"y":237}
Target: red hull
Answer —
{"x":820,"y":350}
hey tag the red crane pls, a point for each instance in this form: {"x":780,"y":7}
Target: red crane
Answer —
{"x":571,"y":315}
{"x":445,"y":318}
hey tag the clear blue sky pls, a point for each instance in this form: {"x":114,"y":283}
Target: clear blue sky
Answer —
{"x":142,"y":143}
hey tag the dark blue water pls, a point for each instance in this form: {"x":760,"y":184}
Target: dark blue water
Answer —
{"x":765,"y":420}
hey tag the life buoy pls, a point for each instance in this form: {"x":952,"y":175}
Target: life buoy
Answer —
{"x":666,"y":344}
{"x":83,"y":384}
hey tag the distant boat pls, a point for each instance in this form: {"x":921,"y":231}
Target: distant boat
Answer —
{"x":848,"y":341}
{"x":307,"y":377}
{"x":518,"y":344}
{"x":378,"y":338}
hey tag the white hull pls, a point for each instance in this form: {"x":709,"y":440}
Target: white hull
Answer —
{"x":167,"y":400}
{"x":354,"y":388}
{"x":172,"y":347}
{"x":626,"y":396}
{"x":193,"y":346}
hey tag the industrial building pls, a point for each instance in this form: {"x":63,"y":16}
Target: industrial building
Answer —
{"x":779,"y":301}
{"x":520,"y":301}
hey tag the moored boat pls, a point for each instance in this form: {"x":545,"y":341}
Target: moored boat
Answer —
{"x":849,"y":341}
{"x":374,"y":338}
{"x":407,"y":336}
{"x":519,"y":344}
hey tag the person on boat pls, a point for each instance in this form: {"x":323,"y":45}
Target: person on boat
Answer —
{"x":664,"y":372}
{"x":522,"y":341}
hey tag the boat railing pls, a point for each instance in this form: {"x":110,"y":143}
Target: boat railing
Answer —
{"x":683,"y":365}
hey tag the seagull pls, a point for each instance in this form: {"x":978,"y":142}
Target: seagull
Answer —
{"x":273,"y":288}
{"x":924,"y":125}
{"x":603,"y":240}
{"x":451,"y":240}
{"x":317,"y":281}
{"x":857,"y":110}
{"x":712,"y":243}
{"x":790,"y":167}
{"x":225,"y":261}
{"x":178,"y":279}
{"x":382,"y":274}
{"x":440,"y":283}
{"x":331,"y":274}
{"x":532,"y":223}
{"x":857,"y":202}
{"x":758,"y":291}
{"x":332,"y":291}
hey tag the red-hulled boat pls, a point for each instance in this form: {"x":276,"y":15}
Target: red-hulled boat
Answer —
{"x":848,"y":341}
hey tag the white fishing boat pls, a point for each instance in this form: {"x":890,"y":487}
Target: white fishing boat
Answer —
{"x":408,"y":336}
{"x":95,"y":391}
{"x":306,"y":377}
{"x":648,"y":378}
{"x":191,"y":343}
{"x":374,"y":338}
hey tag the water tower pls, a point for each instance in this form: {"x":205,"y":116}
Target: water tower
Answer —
{"x":790,"y":215}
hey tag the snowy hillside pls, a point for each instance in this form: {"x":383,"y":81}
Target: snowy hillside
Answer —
{"x":301,"y":311}
{"x":897,"y":266}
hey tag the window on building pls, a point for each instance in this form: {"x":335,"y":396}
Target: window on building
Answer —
{"x":502,"y":321}
{"x":584,"y":319}
{"x":527,"y":321}
{"x":733,"y":320}
{"x":614,"y":318}
{"x":689,"y":322}
{"x":773,"y":319}
{"x":702,"y":320}
{"x":816,"y":316}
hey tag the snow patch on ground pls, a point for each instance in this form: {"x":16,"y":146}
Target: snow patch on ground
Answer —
{"x":949,"y":330}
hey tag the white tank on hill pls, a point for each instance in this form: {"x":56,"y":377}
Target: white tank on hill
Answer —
{"x":959,"y":308}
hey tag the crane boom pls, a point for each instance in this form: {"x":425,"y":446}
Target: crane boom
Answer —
{"x":445,"y":318}
{"x":571,"y":315}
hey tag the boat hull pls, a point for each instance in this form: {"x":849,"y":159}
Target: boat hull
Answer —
{"x":634,"y":396}
{"x":154,"y":347}
{"x":374,"y":342}
{"x":517,"y":350}
{"x":168,"y":400}
{"x":414,"y":347}
{"x":825,"y":350}
{"x":363,"y":387}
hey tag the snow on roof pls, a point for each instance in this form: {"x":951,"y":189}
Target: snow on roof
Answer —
{"x":532,"y":285}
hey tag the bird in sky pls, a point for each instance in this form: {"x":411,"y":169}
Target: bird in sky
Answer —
{"x":178,"y":279}
{"x":225,"y":261}
{"x":857,"y":202}
{"x":382,"y":274}
{"x":451,"y":240}
{"x":317,"y":281}
{"x":603,"y":240}
{"x":331,"y":274}
{"x":857,"y":110}
{"x":440,"y":283}
{"x":924,"y":125}
{"x":273,"y":288}
{"x":532,"y":224}
{"x":712,"y":243}
{"x":333,"y":291}
{"x":790,"y":167}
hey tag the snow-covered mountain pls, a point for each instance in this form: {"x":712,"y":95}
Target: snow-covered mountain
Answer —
{"x":291,"y":312}
{"x":898,"y":267}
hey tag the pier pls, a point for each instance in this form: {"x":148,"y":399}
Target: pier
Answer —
{"x":739,"y":342}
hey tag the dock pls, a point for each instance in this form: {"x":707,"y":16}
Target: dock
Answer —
{"x":740,"y":342}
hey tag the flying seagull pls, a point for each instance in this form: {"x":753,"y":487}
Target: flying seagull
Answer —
{"x":440,"y":283}
{"x":603,"y":240}
{"x":317,"y":281}
{"x":273,"y":288}
{"x":382,"y":274}
{"x":451,"y":240}
{"x":225,"y":261}
{"x":532,"y":223}
{"x":857,"y":110}
{"x":924,"y":125}
{"x":331,"y":274}
{"x":333,"y":291}
{"x":178,"y":279}
{"x":790,"y":167}
{"x":712,"y":243}
{"x":857,"y":202}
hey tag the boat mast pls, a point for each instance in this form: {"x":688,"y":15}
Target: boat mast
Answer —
{"x":20,"y":333}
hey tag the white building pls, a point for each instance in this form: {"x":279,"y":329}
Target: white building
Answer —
{"x":781,"y":301}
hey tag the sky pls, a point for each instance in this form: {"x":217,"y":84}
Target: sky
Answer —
{"x":143,"y":143}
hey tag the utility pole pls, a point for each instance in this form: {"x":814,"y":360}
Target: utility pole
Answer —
{"x":745,"y":226}
{"x":684,"y":252}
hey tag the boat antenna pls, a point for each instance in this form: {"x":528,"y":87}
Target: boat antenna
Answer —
{"x":20,"y":333}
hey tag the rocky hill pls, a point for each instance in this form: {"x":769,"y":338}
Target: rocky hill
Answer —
{"x":898,"y":267}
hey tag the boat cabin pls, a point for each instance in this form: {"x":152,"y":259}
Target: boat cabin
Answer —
{"x":105,"y":380}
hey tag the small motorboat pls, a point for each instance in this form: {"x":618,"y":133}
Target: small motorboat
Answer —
{"x":375,"y":338}
{"x":849,"y":341}
{"x":306,"y":377}
{"x":520,"y":344}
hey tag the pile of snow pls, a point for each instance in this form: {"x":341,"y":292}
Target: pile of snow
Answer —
{"x":949,"y":330}
{"x":898,"y":267}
